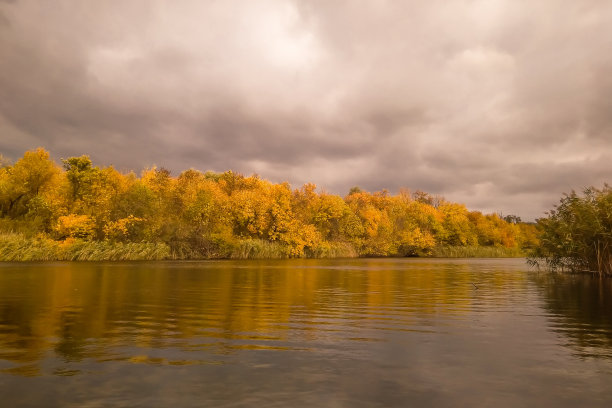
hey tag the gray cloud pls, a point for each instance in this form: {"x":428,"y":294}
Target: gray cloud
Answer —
{"x":502,"y":105}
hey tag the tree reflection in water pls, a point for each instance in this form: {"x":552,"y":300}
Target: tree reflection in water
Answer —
{"x":580,"y":307}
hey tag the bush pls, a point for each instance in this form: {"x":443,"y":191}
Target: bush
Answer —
{"x":75,"y":226}
{"x":577,"y":234}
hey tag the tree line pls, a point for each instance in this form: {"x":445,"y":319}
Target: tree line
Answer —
{"x":218,"y":215}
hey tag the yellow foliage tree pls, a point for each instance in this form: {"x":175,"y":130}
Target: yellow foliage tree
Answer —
{"x":75,"y":226}
{"x":199,"y":215}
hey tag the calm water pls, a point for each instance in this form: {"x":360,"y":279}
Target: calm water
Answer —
{"x":341,"y":333}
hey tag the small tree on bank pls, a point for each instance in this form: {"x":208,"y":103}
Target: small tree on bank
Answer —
{"x":577,"y":234}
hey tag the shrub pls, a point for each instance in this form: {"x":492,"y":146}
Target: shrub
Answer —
{"x":577,"y":234}
{"x":75,"y":226}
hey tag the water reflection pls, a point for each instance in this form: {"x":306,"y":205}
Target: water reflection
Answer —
{"x":580,"y":308}
{"x":104,"y":311}
{"x":354,"y":333}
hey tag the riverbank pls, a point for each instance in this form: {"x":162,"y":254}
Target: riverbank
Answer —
{"x":18,"y":248}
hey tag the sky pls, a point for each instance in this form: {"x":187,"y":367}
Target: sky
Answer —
{"x":502,"y":105}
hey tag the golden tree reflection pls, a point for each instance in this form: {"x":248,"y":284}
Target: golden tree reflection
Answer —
{"x":73,"y":312}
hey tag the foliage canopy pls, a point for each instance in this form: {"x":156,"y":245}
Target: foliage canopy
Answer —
{"x":217,"y":215}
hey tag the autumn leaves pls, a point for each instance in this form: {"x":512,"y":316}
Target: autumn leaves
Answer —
{"x":209,"y":215}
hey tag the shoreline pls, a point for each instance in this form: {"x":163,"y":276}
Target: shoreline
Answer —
{"x":21,"y":249}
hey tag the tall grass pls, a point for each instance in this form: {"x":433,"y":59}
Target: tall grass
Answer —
{"x":476,"y":252}
{"x":332,"y":250}
{"x":259,"y":249}
{"x":17,"y":247}
{"x":117,"y":251}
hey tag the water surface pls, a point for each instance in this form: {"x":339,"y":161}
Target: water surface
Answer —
{"x":303,"y":333}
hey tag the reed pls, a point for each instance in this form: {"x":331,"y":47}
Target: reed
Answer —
{"x":476,"y":252}
{"x":259,"y":249}
{"x":332,"y":250}
{"x":17,"y":247}
{"x":115,"y":251}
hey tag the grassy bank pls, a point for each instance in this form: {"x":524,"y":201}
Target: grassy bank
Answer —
{"x":18,"y":247}
{"x":476,"y":252}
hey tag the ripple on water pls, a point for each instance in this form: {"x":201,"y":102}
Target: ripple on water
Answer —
{"x":360,"y":332}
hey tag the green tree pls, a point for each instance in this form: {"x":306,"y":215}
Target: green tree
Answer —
{"x":577,"y":233}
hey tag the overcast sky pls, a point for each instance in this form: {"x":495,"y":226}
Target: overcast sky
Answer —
{"x":498,"y":104}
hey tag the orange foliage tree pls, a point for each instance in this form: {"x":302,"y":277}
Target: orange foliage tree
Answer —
{"x":207,"y":215}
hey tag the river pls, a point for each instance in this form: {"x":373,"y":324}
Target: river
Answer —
{"x":303,"y":333}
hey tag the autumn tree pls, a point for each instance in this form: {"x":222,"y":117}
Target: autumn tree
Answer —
{"x":457,"y":229}
{"x":203,"y":215}
{"x":27,"y":189}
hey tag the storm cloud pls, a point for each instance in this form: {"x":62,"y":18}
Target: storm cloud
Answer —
{"x":499,"y":104}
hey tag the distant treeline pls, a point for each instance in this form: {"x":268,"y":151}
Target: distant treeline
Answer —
{"x":85,"y":212}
